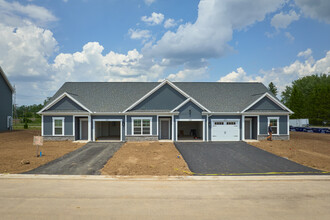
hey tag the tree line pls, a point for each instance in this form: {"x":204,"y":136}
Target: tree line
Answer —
{"x":308,"y":97}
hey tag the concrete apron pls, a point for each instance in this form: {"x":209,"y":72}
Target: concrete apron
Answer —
{"x":167,"y":178}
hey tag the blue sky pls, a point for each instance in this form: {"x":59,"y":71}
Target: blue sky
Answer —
{"x":44,"y":43}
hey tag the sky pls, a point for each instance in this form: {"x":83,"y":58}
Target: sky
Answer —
{"x":45,"y":43}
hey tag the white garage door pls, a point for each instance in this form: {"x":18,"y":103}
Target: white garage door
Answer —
{"x":225,"y":130}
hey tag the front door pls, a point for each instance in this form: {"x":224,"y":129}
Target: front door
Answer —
{"x":164,"y":129}
{"x":248,"y":128}
{"x":83,"y":129}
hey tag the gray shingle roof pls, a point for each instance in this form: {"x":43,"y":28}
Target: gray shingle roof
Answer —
{"x":118,"y":96}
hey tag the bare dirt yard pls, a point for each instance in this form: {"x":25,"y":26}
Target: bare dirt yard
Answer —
{"x":146,"y":158}
{"x":16,"y":147}
{"x":309,"y":149}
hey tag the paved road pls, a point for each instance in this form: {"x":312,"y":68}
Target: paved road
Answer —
{"x":229,"y":198}
{"x":87,"y":160}
{"x":234,"y":157}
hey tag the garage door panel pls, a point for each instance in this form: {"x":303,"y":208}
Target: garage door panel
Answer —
{"x":225,"y":130}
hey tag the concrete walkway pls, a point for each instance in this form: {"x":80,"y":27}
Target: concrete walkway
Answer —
{"x":100,"y":197}
{"x":87,"y":160}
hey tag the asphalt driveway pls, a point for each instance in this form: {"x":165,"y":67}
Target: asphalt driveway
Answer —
{"x":87,"y":160}
{"x":234,"y":158}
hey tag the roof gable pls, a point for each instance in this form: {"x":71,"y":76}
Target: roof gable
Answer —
{"x":157,"y":88}
{"x":268,"y":103}
{"x":64,"y":103}
{"x":165,"y":98}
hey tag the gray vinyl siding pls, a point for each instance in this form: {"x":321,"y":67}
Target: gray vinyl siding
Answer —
{"x":6,"y":101}
{"x":265,"y":104}
{"x":263,"y":123}
{"x":225,"y":117}
{"x":165,"y":98}
{"x":66,"y":104}
{"x":154,"y":124}
{"x":109,"y":117}
{"x":195,"y":111}
{"x":48,"y":125}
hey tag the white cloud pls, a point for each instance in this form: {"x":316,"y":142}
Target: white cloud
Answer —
{"x":154,"y":19}
{"x":318,"y":9}
{"x":306,"y":54}
{"x":169,"y":23}
{"x":149,"y":2}
{"x":289,"y":36}
{"x":213,"y":29}
{"x":189,"y":74}
{"x":283,"y":76}
{"x":282,"y":20}
{"x":14,"y":13}
{"x":238,"y":76}
{"x":139,"y":34}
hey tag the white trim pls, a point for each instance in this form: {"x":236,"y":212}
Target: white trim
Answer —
{"x":181,"y":104}
{"x":108,"y":120}
{"x":177,"y":130}
{"x":42,"y":125}
{"x":160,"y":127}
{"x":80,"y":126}
{"x":272,"y":99}
{"x":90,"y":128}
{"x":258,"y":126}
{"x":243,"y":128}
{"x":65,"y":94}
{"x":250,"y":120}
{"x":141,"y":118}
{"x":221,"y":113}
{"x":207,"y":128}
{"x":265,"y":113}
{"x":159,"y":86}
{"x":288,"y":125}
{"x":157,"y":125}
{"x":64,"y":113}
{"x":278,"y":124}
{"x":225,"y":120}
{"x":172,"y":127}
{"x":125,"y":125}
{"x":63,"y":126}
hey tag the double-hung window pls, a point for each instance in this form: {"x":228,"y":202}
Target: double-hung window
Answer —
{"x":142,"y":126}
{"x":275,"y":124}
{"x":58,"y":126}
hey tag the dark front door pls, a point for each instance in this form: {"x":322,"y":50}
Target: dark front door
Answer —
{"x":248,"y":130}
{"x":164,"y":129}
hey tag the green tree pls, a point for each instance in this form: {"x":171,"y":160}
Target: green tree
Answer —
{"x":272,"y":88}
{"x":309,"y":97}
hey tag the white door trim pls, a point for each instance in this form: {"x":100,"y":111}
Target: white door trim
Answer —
{"x":248,"y":119}
{"x":80,"y":130}
{"x":160,"y":127}
{"x":177,"y":130}
{"x":108,"y":120}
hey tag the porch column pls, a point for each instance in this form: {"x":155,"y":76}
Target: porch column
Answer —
{"x":243,"y":127}
{"x":207,"y":127}
{"x":172,"y":127}
{"x":89,"y":127}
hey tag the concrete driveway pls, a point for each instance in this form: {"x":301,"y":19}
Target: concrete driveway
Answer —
{"x":87,"y":160}
{"x":234,"y":158}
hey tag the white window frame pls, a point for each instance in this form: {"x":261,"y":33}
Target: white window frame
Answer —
{"x":63,"y":126}
{"x":278,"y":124}
{"x":141,"y":118}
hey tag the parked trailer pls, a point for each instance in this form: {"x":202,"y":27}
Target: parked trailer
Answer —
{"x":299,"y":122}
